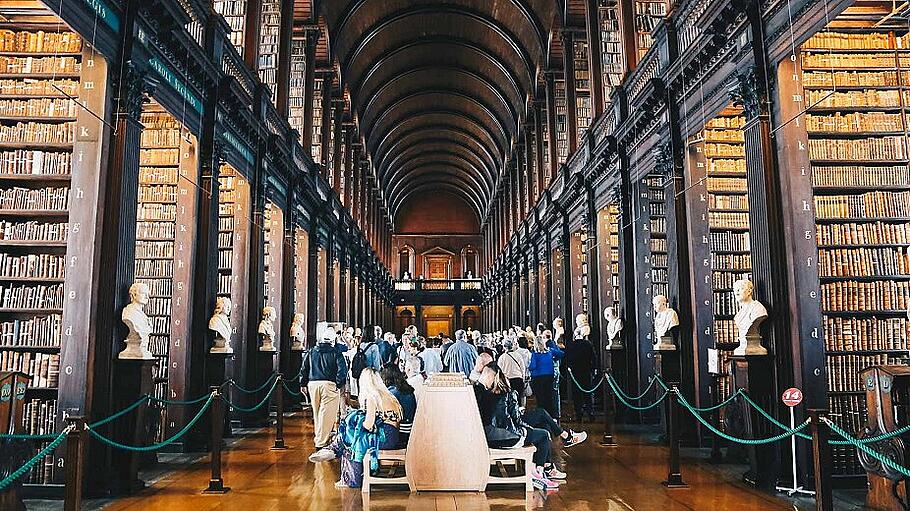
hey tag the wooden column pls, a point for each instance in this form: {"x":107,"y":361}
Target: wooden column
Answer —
{"x":568,"y":66}
{"x":337,"y":146}
{"x":312,"y":37}
{"x":284,"y":60}
{"x":342,"y":297}
{"x":327,"y":90}
{"x":592,"y":26}
{"x":252,"y":372}
{"x":539,"y":153}
{"x":550,"y":80}
{"x":251,"y":34}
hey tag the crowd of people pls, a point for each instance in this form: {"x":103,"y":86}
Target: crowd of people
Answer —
{"x":364,"y":387}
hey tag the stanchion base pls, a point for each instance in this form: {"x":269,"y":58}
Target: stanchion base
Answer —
{"x":216,"y":487}
{"x":608,"y":441}
{"x":279,"y":446}
{"x":674,"y":481}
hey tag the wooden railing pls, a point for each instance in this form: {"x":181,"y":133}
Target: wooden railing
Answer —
{"x":438,"y":285}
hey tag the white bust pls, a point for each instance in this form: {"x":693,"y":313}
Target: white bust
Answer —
{"x":298,"y":335}
{"x":221,"y":325}
{"x":267,"y":330}
{"x":665,"y":319}
{"x":582,"y":327}
{"x":614,"y":328}
{"x":559,"y":331}
{"x":749,"y":318}
{"x":134,"y":317}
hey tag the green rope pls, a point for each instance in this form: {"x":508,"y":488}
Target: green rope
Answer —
{"x":289,"y":391}
{"x":257,"y":389}
{"x":771,"y":418}
{"x":873,"y":439}
{"x":142,"y":400}
{"x":180,"y":403}
{"x":785,"y":434}
{"x":18,"y":436}
{"x":260,"y":405}
{"x":630,"y":405}
{"x":58,"y":439}
{"x":866,"y":449}
{"x":586,"y":391}
{"x":155,"y":447}
{"x":627,"y":397}
{"x":719,"y":405}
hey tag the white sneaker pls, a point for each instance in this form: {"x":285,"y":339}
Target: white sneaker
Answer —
{"x":541,"y":482}
{"x":341,"y":485}
{"x":555,"y":473}
{"x":575,"y":438}
{"x":324,"y":454}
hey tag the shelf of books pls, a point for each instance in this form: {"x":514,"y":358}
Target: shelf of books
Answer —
{"x":578,"y":252}
{"x":234,"y":12}
{"x":269,"y":40}
{"x":647,"y":15}
{"x":43,"y":67}
{"x":583,"y":106}
{"x":657,"y":216}
{"x":165,"y":154}
{"x":612,"y":62}
{"x":233,"y":250}
{"x":316,"y":143}
{"x":273,"y":253}
{"x":615,"y":255}
{"x":297,"y":88}
{"x":301,"y":272}
{"x":857,"y":125}
{"x":562,"y":122}
{"x":545,"y":146}
{"x":728,"y":225}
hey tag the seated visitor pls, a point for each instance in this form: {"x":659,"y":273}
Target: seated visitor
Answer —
{"x":413,"y":369}
{"x":394,"y":379}
{"x":504,"y":428}
{"x":482,"y":360}
{"x":373,"y":426}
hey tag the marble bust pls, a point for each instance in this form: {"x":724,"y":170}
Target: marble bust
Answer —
{"x":559,"y":331}
{"x":748,"y":319}
{"x":582,"y":327}
{"x":665,"y":320}
{"x":139,"y":324}
{"x":298,"y":335}
{"x":614,"y":328}
{"x":267,"y":330}
{"x":220,"y":324}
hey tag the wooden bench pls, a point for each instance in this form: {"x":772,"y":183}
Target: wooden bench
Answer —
{"x":498,"y":457}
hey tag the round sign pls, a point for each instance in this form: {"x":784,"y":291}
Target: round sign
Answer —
{"x":792,"y":397}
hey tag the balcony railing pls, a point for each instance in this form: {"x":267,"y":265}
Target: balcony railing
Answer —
{"x":438,"y":285}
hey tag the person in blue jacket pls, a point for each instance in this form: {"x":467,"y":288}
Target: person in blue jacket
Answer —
{"x":542,"y":368}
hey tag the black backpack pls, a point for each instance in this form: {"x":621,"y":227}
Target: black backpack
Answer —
{"x":359,"y":362}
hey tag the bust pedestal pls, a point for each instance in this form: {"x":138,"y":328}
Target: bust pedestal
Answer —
{"x":754,"y":374}
{"x":134,"y":380}
{"x":263,"y":365}
{"x":215,"y":375}
{"x":608,"y":355}
{"x":665,"y":343}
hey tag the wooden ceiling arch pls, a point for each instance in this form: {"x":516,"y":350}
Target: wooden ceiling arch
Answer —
{"x":440,"y":87}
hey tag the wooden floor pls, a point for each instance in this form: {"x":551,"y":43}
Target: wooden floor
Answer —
{"x":611,"y":479}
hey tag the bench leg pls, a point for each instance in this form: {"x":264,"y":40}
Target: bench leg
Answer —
{"x":365,"y":487}
{"x":529,"y":483}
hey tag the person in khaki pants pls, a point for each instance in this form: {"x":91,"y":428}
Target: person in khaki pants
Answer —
{"x":324,"y":372}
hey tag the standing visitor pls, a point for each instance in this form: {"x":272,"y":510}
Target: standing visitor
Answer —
{"x":514,"y":367}
{"x":432,"y":362}
{"x":415,"y":374}
{"x":542,"y":369}
{"x":580,"y":360}
{"x":324,"y":373}
{"x":558,"y":339}
{"x":461,"y":356}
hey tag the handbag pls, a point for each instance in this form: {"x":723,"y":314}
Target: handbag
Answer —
{"x":526,"y":378}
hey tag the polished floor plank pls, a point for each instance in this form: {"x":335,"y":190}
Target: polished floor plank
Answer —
{"x":625,"y":478}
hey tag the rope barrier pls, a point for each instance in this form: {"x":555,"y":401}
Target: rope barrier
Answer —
{"x":620,"y":392}
{"x":785,"y":434}
{"x":866,"y":449}
{"x":121,"y":413}
{"x":586,"y":391}
{"x":38,"y":457}
{"x":154,"y":447}
{"x":260,"y":405}
{"x":291,"y":392}
{"x":181,"y":403}
{"x":722,"y":404}
{"x":23,"y":436}
{"x":630,"y":405}
{"x":257,"y":389}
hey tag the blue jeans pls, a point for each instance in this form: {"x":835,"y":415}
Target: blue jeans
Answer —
{"x":352,"y":471}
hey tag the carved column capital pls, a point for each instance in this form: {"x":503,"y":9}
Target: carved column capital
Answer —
{"x":134,"y":89}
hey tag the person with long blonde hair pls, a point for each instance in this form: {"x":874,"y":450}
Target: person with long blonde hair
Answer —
{"x":373,"y":426}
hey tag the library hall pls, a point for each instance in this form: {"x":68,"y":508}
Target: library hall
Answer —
{"x":474,"y":255}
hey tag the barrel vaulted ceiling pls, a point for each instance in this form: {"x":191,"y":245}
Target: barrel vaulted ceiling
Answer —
{"x":439,"y":87}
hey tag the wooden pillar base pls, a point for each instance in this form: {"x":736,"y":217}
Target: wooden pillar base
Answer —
{"x":215,"y":375}
{"x":134,"y":380}
{"x":754,"y":375}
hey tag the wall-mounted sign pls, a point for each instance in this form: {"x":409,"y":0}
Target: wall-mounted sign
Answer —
{"x":176,"y":83}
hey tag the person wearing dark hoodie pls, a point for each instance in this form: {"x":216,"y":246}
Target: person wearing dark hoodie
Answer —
{"x":580,"y":359}
{"x":324,"y":373}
